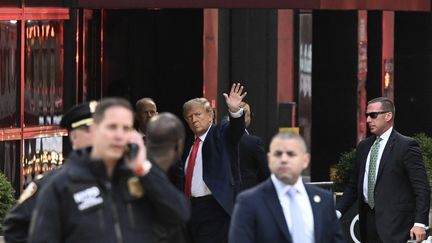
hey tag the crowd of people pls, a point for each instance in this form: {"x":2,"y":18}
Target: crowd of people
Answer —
{"x":133,"y":176}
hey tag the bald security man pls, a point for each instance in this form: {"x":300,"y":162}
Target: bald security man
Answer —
{"x":145,"y":109}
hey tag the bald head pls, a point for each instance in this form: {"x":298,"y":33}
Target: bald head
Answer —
{"x":165,"y":137}
{"x":145,"y":109}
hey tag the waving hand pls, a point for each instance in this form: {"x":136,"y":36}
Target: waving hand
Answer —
{"x":235,"y":97}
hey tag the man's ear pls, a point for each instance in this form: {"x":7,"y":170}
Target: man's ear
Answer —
{"x":389,"y":116}
{"x":306,"y":160}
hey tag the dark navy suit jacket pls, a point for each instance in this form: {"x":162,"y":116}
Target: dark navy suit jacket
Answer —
{"x":220,"y":161}
{"x":258,"y":216}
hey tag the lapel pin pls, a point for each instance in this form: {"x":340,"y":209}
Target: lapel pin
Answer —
{"x":317,"y":199}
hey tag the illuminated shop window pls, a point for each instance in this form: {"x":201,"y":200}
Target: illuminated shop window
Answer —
{"x":9,"y":74}
{"x":43,"y":91}
{"x":41,"y":155}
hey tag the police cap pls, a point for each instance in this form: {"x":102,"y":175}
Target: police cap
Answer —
{"x":79,"y":115}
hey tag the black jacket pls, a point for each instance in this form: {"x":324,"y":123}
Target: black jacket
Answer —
{"x":253,"y":161}
{"x":81,"y":204}
{"x":17,"y":221}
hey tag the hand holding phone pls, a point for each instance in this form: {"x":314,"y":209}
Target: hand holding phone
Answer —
{"x":136,"y":154}
{"x":131,"y":151}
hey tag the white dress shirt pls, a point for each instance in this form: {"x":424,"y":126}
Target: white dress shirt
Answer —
{"x":303,"y":201}
{"x":198,"y":187}
{"x":385,"y":137}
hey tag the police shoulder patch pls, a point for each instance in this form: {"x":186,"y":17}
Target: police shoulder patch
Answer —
{"x":28,"y":192}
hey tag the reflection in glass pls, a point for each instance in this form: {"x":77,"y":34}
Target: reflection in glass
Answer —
{"x":41,"y":155}
{"x":9,"y":156}
{"x":10,"y":3}
{"x":9,"y":74}
{"x":43,"y":93}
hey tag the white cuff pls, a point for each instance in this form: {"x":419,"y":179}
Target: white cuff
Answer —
{"x":420,"y":225}
{"x":237,"y":114}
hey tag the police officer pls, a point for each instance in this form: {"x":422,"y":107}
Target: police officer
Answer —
{"x":108,"y":194}
{"x":77,"y":121}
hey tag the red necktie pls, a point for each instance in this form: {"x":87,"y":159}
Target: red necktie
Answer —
{"x":190,"y":168}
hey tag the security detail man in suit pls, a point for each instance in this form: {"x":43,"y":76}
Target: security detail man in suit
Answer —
{"x":253,"y":161}
{"x":388,"y":180}
{"x":165,"y":136}
{"x":77,"y":121}
{"x":207,"y":165}
{"x":283,"y":208}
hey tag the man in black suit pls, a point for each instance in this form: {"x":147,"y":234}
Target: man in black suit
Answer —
{"x":207,"y":175}
{"x":389,"y":181}
{"x":283,"y":208}
{"x":253,"y":161}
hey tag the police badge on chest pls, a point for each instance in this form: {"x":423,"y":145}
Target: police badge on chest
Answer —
{"x":135,"y":188}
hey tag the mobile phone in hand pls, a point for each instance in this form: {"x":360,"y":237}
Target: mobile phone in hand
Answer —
{"x":131,"y":151}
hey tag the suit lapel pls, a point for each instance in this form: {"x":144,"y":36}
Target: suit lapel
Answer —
{"x":363,"y":158}
{"x":315,"y":202}
{"x":272,"y":201}
{"x":386,"y":154}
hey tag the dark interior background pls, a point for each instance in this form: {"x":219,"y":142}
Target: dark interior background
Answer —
{"x":154,"y":53}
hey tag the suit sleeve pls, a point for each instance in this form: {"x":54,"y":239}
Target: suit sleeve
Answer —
{"x":350,"y":194}
{"x":242,"y":228}
{"x":337,"y":235}
{"x":233,"y":134}
{"x":235,"y":130}
{"x":170,"y":204}
{"x":417,"y":175}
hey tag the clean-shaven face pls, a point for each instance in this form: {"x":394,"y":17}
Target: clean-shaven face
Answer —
{"x":287,"y":159}
{"x":198,"y":119}
{"x":111,"y":135}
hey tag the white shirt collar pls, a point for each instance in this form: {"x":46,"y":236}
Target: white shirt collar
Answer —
{"x":386,"y":135}
{"x":282,"y":188}
{"x":202,"y":137}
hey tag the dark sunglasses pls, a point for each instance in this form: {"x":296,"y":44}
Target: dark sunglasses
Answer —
{"x":374,"y":115}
